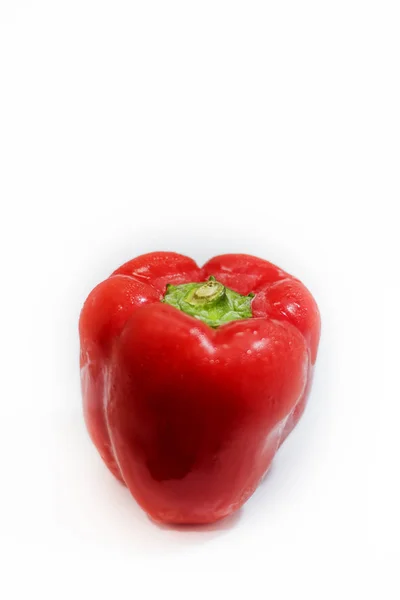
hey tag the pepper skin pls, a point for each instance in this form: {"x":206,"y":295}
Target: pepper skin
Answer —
{"x":190,"y":416}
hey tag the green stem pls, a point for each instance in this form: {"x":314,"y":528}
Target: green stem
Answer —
{"x":209,"y":301}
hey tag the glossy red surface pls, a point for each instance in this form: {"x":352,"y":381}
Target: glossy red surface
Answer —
{"x":187,"y":416}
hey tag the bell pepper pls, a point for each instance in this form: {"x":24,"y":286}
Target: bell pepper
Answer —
{"x":192,"y":377}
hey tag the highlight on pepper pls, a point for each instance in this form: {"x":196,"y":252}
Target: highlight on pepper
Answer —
{"x":192,"y":377}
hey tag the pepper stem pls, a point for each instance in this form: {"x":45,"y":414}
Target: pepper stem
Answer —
{"x":205,"y":294}
{"x":209,"y":301}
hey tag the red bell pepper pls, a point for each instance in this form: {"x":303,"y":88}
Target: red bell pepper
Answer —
{"x":192,"y":377}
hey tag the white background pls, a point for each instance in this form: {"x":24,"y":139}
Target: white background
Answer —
{"x":269,"y":128}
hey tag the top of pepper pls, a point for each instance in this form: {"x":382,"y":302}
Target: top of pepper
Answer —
{"x":210,"y":302}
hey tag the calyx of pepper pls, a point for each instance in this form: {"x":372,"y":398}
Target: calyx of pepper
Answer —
{"x":209,"y":301}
